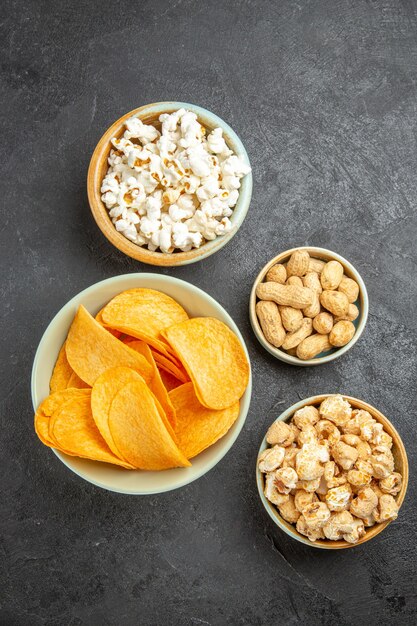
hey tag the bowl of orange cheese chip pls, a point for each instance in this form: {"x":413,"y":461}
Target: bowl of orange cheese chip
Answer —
{"x":141,"y":384}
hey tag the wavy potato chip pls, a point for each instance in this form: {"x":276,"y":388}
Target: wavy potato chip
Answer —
{"x":46,"y":409}
{"x":170,"y":382}
{"x":62,"y":372}
{"x":105,"y":389}
{"x":170,"y":367}
{"x":113,"y":331}
{"x":76,"y":383}
{"x":91,"y":350}
{"x":169,"y":356}
{"x":143,"y":313}
{"x":198,"y":427}
{"x":139,"y":432}
{"x":72,"y":427}
{"x":103,"y":393}
{"x":156,"y":385}
{"x":169,"y":359}
{"x":63,"y":375}
{"x":214,"y":359}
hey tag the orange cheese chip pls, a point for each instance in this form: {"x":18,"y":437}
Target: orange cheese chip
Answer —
{"x":99,"y":319}
{"x":139,"y":432}
{"x":170,"y":367}
{"x":72,"y":427}
{"x":91,"y":350}
{"x":46,"y":409}
{"x":169,"y":356}
{"x":198,"y":427}
{"x":105,"y":389}
{"x":63,"y":375}
{"x":169,"y":359}
{"x":103,"y":393}
{"x":76,"y":383}
{"x":156,"y":385}
{"x":170,"y":382}
{"x":62,"y":372}
{"x":143,"y":313}
{"x":214,"y":359}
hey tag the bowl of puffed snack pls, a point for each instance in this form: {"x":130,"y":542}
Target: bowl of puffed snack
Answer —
{"x":332,"y":472}
{"x":169,"y":183}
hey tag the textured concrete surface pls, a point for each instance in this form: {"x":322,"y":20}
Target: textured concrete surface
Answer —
{"x":323,"y":94}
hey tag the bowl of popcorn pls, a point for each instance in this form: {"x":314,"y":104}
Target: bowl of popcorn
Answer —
{"x":169,"y":183}
{"x":308,"y":306}
{"x":332,"y":471}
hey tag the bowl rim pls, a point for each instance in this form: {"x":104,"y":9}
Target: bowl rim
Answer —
{"x":244,"y":401}
{"x":363,"y":313}
{"x":290,"y":529}
{"x":140,"y":253}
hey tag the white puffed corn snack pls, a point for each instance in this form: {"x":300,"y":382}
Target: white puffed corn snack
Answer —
{"x":336,"y":409}
{"x":316,"y":515}
{"x":331,"y":471}
{"x":271,"y":491}
{"x":286,"y":479}
{"x":172,"y":189}
{"x":271,"y":459}
{"x":338,"y":498}
{"x":289,"y":511}
{"x":338,"y":524}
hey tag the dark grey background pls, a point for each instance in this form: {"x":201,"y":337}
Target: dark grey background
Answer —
{"x":323,"y":95}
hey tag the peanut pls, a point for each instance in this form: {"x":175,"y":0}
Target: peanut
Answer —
{"x":341,"y":333}
{"x":331,"y":275}
{"x":292,"y":351}
{"x":312,"y":281}
{"x":351,"y":315}
{"x":291,"y":318}
{"x":323,"y":323}
{"x":277,"y":274}
{"x":287,"y":295}
{"x":314,"y":308}
{"x":315,"y":305}
{"x":315,"y":265}
{"x":312,"y":346}
{"x":270,"y":321}
{"x":293,"y":339}
{"x":298,"y":263}
{"x":335,"y":301}
{"x":350,"y":288}
{"x":294,"y":280}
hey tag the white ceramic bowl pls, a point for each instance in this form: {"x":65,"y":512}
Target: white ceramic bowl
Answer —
{"x":197,"y":303}
{"x":362,"y":303}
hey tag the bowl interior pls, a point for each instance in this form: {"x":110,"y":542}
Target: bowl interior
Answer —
{"x":197,"y":303}
{"x":149,"y":114}
{"x":401,"y":465}
{"x":362,"y":303}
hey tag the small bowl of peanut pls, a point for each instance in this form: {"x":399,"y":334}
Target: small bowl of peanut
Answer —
{"x":308,"y":306}
{"x":332,"y":472}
